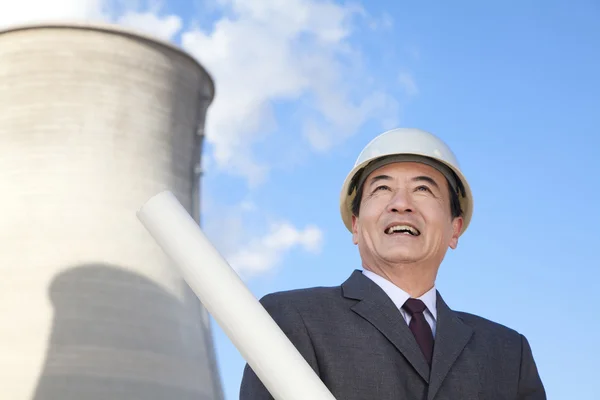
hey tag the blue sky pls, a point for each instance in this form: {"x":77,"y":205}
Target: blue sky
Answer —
{"x":302,"y":86}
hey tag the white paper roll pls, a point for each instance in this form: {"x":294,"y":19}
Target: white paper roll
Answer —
{"x":274,"y":359}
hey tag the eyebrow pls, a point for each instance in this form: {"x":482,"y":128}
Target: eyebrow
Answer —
{"x":419,"y":178}
{"x":426,"y":179}
{"x":379,"y":178}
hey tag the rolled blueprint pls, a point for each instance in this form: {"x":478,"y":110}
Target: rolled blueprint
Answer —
{"x":274,"y":359}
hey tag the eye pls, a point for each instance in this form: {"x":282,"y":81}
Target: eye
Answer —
{"x":381,"y":187}
{"x":423,"y":188}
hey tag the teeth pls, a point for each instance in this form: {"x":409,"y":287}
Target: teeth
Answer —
{"x":403,"y":229}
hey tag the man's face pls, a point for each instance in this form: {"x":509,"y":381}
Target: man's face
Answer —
{"x":414,"y":197}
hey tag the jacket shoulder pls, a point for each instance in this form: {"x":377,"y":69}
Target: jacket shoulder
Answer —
{"x":294,"y":310}
{"x":487,"y":327}
{"x":303,"y":298}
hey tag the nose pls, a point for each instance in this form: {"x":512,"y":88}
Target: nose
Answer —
{"x":400,"y":202}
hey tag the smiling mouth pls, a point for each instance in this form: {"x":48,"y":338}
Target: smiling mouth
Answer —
{"x":402,"y":230}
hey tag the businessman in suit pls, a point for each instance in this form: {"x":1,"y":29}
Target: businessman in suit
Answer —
{"x":386,"y":332}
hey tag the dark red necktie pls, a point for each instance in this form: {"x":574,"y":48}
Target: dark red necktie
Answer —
{"x":419,"y":327}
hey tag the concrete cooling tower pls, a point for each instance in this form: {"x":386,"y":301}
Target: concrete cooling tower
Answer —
{"x":94,"y":121}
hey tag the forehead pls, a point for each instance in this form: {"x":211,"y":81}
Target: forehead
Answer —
{"x":408,"y":170}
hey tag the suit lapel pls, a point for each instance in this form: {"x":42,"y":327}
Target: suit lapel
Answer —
{"x":452,"y":335}
{"x":376,"y":307}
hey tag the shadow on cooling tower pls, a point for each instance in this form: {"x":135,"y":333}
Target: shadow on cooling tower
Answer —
{"x":117,"y":335}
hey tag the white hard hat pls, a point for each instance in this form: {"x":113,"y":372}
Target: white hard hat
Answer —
{"x":407,"y":144}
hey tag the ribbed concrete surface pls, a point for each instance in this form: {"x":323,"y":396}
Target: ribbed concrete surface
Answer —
{"x":92,"y":124}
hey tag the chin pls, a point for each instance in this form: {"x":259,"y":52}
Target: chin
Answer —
{"x":401,"y":256}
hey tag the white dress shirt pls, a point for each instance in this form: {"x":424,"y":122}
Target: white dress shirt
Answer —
{"x":399,"y":297}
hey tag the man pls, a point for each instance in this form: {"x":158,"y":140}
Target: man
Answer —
{"x":386,"y":333}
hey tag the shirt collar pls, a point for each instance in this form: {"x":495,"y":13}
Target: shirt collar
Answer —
{"x":399,"y":296}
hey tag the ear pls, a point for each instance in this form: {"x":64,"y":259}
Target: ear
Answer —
{"x":354,"y":229}
{"x":457,"y":224}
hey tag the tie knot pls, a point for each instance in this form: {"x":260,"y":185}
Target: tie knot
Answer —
{"x":414,"y":306}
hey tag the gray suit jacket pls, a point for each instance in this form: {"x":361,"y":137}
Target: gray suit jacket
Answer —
{"x":357,"y":342}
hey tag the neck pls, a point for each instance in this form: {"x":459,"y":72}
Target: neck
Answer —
{"x":413,"y":279}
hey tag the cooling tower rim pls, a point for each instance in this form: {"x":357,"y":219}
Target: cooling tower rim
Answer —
{"x":115,"y":30}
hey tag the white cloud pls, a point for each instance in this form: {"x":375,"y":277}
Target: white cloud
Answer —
{"x":165,"y":27}
{"x":247,"y":205}
{"x":31,"y":11}
{"x":264,"y":253}
{"x":122,"y":12}
{"x":264,"y":51}
{"x":343,"y":118}
{"x":384,"y":23}
{"x":260,"y":52}
{"x":408,"y":83}
{"x":236,"y":232}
